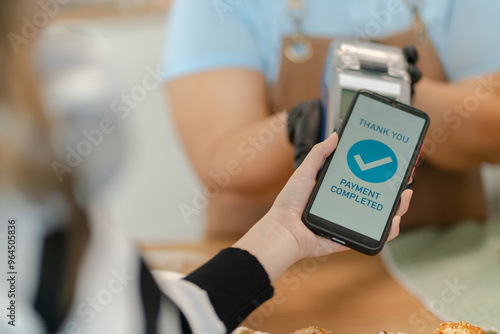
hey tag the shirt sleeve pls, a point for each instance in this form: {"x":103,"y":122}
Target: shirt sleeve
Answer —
{"x":203,"y":35}
{"x":474,"y":41}
{"x":219,"y":295}
{"x":236,"y":284}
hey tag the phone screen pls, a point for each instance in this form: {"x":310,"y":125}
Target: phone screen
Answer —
{"x":346,"y":96}
{"x":364,"y":178}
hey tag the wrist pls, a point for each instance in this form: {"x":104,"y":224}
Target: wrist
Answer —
{"x":272,"y":244}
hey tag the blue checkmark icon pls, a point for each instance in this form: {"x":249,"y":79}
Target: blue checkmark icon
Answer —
{"x":372,"y":161}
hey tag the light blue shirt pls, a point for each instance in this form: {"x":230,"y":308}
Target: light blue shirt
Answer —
{"x":209,"y":34}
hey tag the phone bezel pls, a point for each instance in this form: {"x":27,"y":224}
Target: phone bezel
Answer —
{"x":339,"y":233}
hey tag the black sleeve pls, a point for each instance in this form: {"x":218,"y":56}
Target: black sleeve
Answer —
{"x":236,"y":284}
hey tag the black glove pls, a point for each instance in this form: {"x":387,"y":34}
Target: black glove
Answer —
{"x":304,"y":120}
{"x":304,"y":128}
{"x":411,"y":55}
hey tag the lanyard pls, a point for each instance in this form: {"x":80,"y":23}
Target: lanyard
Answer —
{"x":298,"y":49}
{"x":418,"y":24}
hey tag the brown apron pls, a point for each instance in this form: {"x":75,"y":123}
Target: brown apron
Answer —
{"x":440,"y":197}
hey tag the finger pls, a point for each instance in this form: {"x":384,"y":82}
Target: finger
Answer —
{"x":303,"y":180}
{"x":395,"y":227}
{"x":415,"y":74}
{"x":318,"y":154}
{"x":411,"y":53}
{"x":404,"y":202}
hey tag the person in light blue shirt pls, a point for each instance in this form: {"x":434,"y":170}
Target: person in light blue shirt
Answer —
{"x":222,"y":58}
{"x":203,"y":36}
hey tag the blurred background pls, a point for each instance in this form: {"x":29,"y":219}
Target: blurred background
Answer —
{"x":156,"y":176}
{"x":155,"y":180}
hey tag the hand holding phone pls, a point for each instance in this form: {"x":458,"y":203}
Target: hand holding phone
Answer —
{"x":280,"y":238}
{"x":360,"y":185}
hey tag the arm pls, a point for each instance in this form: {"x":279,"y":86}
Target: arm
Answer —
{"x":232,"y":138}
{"x":238,"y":279}
{"x":465,"y":118}
{"x":464,"y":138}
{"x":281,"y":231}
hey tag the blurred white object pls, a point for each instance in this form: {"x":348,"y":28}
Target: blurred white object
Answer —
{"x":122,"y":4}
{"x":155,"y":176}
{"x":79,"y":85}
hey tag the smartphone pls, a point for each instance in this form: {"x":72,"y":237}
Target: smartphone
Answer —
{"x":360,"y":184}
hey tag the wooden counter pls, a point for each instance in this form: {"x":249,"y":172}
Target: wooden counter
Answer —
{"x":347,"y":293}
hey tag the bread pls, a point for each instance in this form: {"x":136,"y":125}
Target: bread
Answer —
{"x":458,"y":328}
{"x":244,"y":330}
{"x":308,"y":330}
{"x":445,"y":328}
{"x":312,"y":330}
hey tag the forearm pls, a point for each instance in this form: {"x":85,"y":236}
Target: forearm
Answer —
{"x":272,"y":245}
{"x":465,"y":119}
{"x":234,"y":142}
{"x":250,"y":160}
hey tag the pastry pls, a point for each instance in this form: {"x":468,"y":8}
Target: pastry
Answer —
{"x":244,"y":330}
{"x":312,"y":330}
{"x":308,"y":330}
{"x":458,"y":328}
{"x":445,"y":328}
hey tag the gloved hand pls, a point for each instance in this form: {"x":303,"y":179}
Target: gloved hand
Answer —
{"x":411,"y":55}
{"x":305,"y":120}
{"x":304,"y":128}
